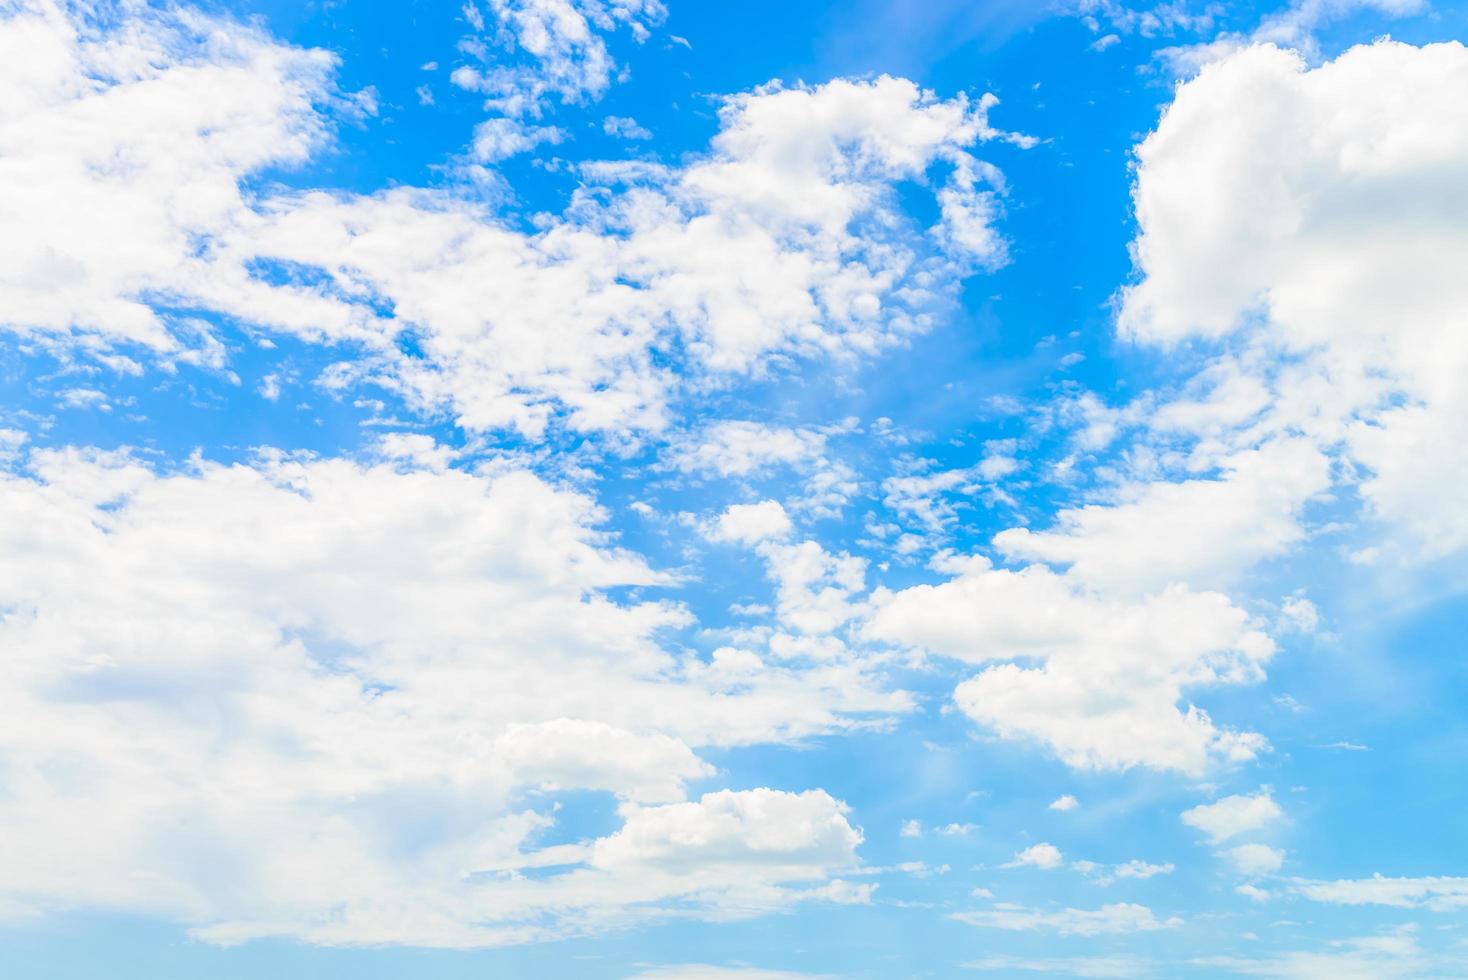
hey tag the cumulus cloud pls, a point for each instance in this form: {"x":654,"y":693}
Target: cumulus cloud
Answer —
{"x":752,"y":523}
{"x":528,"y":52}
{"x":139,"y":136}
{"x":739,"y":448}
{"x":1297,"y":213}
{"x":1201,"y":532}
{"x":1234,"y":815}
{"x":784,"y":240}
{"x":1046,"y":857}
{"x":335,"y":700}
{"x":1255,"y":859}
{"x":1098,"y":681}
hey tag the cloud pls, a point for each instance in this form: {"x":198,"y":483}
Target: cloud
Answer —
{"x":1064,"y":803}
{"x":816,"y":592}
{"x":1292,"y":26}
{"x":1106,"y":874}
{"x":625,"y":127}
{"x":1297,"y":213}
{"x":1116,"y":919}
{"x":1046,"y":857}
{"x":752,"y":523}
{"x":785,"y":240}
{"x":141,"y":135}
{"x":956,"y":829}
{"x":498,"y":139}
{"x":557,"y":50}
{"x":1201,"y":532}
{"x":337,"y":700}
{"x":1108,"y":675}
{"x":1255,"y":859}
{"x":1437,"y":894}
{"x":1234,"y":815}
{"x":736,"y":447}
{"x":1394,"y":955}
{"x":1253,"y":893}
{"x":800,"y":834}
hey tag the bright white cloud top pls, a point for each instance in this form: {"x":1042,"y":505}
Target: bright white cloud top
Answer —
{"x":559,"y":481}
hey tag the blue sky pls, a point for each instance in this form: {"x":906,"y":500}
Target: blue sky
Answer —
{"x":687,"y":491}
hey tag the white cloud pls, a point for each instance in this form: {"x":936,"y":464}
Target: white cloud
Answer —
{"x":573,"y":754}
{"x":1299,"y":211}
{"x":800,"y":834}
{"x":1105,"y":874}
{"x":498,"y":139}
{"x":956,"y":829}
{"x":326,"y":700}
{"x":1438,"y":894}
{"x":1299,"y":613}
{"x":1046,"y":857}
{"x":1115,"y":919}
{"x":1292,"y":26}
{"x":1064,"y":803}
{"x":735,"y":447}
{"x":1234,"y":815}
{"x":1255,"y":859}
{"x":140,"y":136}
{"x":560,"y":49}
{"x":1108,"y":677}
{"x":625,"y":127}
{"x":919,"y":497}
{"x":752,"y":523}
{"x":911,"y":828}
{"x":1253,"y":893}
{"x":785,"y":240}
{"x":1202,"y":532}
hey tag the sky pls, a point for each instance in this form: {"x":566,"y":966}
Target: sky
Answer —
{"x":653,"y":490}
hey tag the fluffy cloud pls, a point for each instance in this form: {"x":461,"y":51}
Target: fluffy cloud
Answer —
{"x":1110,"y":674}
{"x":735,"y":447}
{"x":1255,"y":859}
{"x":1046,"y":857}
{"x":1301,"y":213}
{"x":1200,"y":532}
{"x":1234,"y":815}
{"x":559,"y":50}
{"x":335,"y":700}
{"x":752,"y":523}
{"x":785,"y":240}
{"x":139,"y":136}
